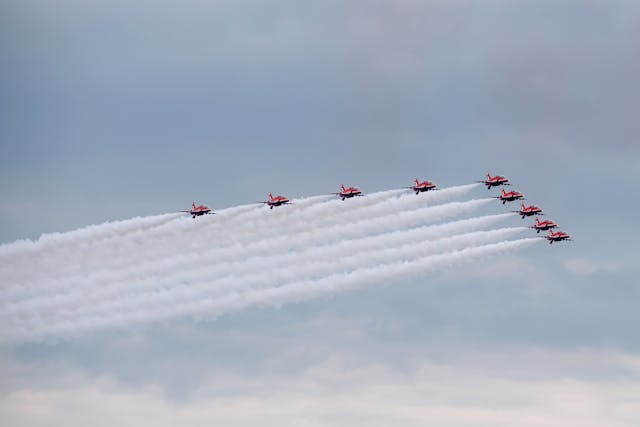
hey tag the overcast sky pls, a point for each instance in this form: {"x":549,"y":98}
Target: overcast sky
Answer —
{"x":114,"y":109}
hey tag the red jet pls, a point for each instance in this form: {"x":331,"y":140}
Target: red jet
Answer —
{"x":529,"y":210}
{"x":494,"y":181}
{"x":276,"y":201}
{"x":510,"y":196}
{"x":543,"y":225}
{"x":199,"y":210}
{"x":558,"y":236}
{"x":347,"y":193}
{"x":419,"y":187}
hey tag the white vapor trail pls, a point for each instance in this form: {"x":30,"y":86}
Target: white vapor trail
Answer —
{"x":49,"y":285}
{"x":130,"y":253}
{"x":264,"y":271}
{"x":158,"y":268}
{"x":295,"y":291}
{"x":264,"y":223}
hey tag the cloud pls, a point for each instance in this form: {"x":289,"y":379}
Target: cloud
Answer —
{"x":345,"y":390}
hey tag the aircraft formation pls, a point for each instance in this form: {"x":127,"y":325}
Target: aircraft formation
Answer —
{"x":420,"y":187}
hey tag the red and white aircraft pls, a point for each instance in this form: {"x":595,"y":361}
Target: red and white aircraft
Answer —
{"x":347,"y":193}
{"x":529,"y":210}
{"x":543,"y":225}
{"x":199,"y":210}
{"x":494,"y":181}
{"x":510,"y":196}
{"x":557,"y":236}
{"x":276,"y":201}
{"x":419,"y":187}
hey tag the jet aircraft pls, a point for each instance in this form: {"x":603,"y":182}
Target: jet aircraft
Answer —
{"x":529,"y":210}
{"x":557,"y":236}
{"x":199,"y":210}
{"x":543,"y":225}
{"x":347,"y":193}
{"x":419,"y":187}
{"x":494,"y":181}
{"x":510,"y":196}
{"x":276,"y":201}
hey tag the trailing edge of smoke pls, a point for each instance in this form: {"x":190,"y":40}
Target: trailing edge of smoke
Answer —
{"x":206,"y":308}
{"x":114,"y":230}
{"x":195,"y":285}
{"x":317,"y":260}
{"x":108,"y":229}
{"x":48,"y":285}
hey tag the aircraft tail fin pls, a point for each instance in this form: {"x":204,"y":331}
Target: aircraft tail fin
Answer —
{"x":270,"y":196}
{"x":342,"y":186}
{"x":417,"y":183}
{"x":193,"y":205}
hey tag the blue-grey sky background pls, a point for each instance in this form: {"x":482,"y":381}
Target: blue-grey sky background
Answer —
{"x":114,"y":109}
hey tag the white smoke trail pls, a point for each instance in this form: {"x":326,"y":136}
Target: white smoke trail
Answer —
{"x":264,"y":223}
{"x":68,"y":249}
{"x":168,"y":269}
{"x":139,"y":247}
{"x":211,"y":307}
{"x":197,"y":284}
{"x":130,"y":239}
{"x":341,"y":282}
{"x":241,"y":262}
{"x":266,"y":270}
{"x":49,"y":282}
{"x":92,"y":232}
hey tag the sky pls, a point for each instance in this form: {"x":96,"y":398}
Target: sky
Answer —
{"x":116,"y":109}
